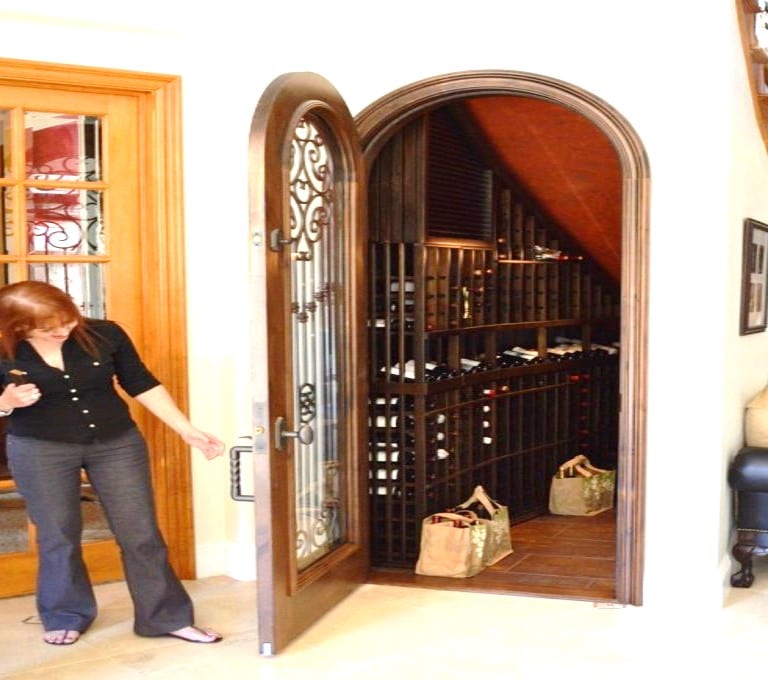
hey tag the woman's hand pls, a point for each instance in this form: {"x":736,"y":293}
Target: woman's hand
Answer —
{"x":207,"y":443}
{"x":159,"y":401}
{"x":19,"y":396}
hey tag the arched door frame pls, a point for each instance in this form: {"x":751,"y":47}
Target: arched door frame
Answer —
{"x":377,"y":122}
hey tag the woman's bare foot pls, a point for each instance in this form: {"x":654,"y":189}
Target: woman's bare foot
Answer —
{"x":61,"y":637}
{"x":195,"y":634}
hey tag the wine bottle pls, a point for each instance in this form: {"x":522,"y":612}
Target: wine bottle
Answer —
{"x":383,"y":473}
{"x":436,"y":437}
{"x":507,"y":360}
{"x":562,"y":340}
{"x":381,"y":402}
{"x":608,"y":349}
{"x":544,"y":253}
{"x":383,"y":456}
{"x":408,"y":286}
{"x":433,"y":371}
{"x":383,"y":421}
{"x":469,"y":365}
{"x":527,"y":355}
{"x":438,"y":372}
{"x":466,"y":305}
{"x":394,"y":323}
{"x":385,"y":438}
{"x":565,"y":352}
{"x":408,"y":370}
{"x":474,"y":366}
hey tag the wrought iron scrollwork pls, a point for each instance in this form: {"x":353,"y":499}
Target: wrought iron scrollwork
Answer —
{"x":65,"y":221}
{"x":312,"y":195}
{"x":315,"y":277}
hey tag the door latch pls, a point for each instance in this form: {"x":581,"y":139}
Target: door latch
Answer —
{"x":305,"y":434}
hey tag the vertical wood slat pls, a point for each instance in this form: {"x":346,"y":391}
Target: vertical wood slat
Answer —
{"x":396,"y":187}
{"x":518,"y":273}
{"x":413,"y":187}
{"x":540,"y":284}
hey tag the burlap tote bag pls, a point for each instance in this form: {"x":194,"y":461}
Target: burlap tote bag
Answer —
{"x":496,"y":516}
{"x":452,"y":545}
{"x":580,"y":488}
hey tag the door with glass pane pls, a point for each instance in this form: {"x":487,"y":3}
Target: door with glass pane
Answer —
{"x":69,"y":204}
{"x":310,"y":441}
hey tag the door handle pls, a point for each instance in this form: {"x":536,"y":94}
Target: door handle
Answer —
{"x":235,"y":479}
{"x":305,"y":434}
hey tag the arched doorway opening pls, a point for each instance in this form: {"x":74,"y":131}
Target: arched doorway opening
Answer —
{"x":380,"y":120}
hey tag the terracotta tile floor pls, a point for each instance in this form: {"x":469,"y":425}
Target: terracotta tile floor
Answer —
{"x":554,"y":556}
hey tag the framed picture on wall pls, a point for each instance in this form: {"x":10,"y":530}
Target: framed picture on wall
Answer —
{"x":754,"y":277}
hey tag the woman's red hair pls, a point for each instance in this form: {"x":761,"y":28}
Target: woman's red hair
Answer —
{"x":27,"y":305}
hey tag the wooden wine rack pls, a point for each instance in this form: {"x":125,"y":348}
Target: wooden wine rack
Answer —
{"x":449,"y":409}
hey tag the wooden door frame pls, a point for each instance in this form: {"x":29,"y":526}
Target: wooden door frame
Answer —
{"x":378,"y":121}
{"x":162,"y":268}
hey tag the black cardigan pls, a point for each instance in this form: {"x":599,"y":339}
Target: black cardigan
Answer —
{"x":80,"y":404}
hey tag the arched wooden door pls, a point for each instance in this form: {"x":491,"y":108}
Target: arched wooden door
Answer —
{"x":310,"y":431}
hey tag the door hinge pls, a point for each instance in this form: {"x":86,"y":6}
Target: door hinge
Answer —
{"x":276,"y":241}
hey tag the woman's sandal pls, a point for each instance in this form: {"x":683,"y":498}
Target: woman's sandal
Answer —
{"x":61,"y":637}
{"x":190,"y":633}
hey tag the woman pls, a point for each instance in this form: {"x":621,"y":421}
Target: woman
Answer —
{"x":68,"y":417}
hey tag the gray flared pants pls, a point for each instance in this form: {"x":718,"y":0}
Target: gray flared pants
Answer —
{"x":47,"y":475}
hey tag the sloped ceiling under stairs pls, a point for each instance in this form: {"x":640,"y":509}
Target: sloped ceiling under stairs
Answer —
{"x":565,"y":163}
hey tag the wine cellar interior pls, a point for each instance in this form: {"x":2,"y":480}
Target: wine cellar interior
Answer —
{"x":493,"y":336}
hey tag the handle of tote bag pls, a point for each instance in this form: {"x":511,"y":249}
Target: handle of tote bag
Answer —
{"x":569,"y":465}
{"x":594,"y":469}
{"x":469,"y":519}
{"x":481,"y":496}
{"x":580,"y":465}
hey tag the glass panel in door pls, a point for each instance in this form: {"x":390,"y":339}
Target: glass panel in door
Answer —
{"x":317,"y":251}
{"x":60,"y":218}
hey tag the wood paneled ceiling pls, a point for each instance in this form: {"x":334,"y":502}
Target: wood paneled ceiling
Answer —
{"x":565,"y":163}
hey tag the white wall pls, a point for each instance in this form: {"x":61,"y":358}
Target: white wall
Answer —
{"x":747,"y":173}
{"x":676,"y":75}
